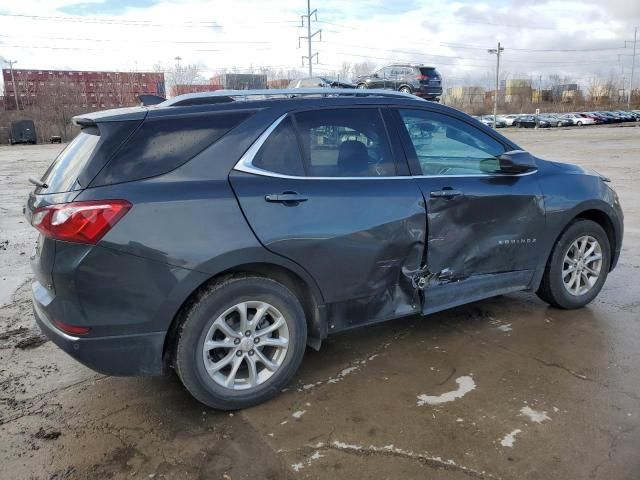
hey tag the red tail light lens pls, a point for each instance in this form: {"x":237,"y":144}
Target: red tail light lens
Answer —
{"x":422,"y":77}
{"x":71,"y":329}
{"x":82,"y":222}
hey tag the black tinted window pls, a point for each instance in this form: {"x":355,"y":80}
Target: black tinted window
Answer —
{"x":280,"y":153}
{"x":345,"y":143}
{"x":447,"y":146}
{"x":163,"y":144}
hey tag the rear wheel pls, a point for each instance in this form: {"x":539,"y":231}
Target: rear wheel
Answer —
{"x":362,"y":85}
{"x":240,"y":342}
{"x":578,"y":266}
{"x":579,"y":123}
{"x":405,"y":89}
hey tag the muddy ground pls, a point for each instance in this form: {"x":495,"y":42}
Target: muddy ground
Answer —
{"x":534,"y":392}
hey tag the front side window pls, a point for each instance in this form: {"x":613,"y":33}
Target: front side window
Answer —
{"x":446,"y":146}
{"x":349,"y":142}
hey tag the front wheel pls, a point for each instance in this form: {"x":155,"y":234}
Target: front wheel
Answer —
{"x":579,"y":124}
{"x":405,"y":89}
{"x":362,"y":85}
{"x":578,"y":266}
{"x":240,"y":342}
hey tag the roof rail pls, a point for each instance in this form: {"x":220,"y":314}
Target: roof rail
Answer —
{"x":223,"y":96}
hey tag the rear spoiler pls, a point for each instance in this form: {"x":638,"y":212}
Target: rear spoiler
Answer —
{"x":146,"y":100}
{"x":114,"y":115}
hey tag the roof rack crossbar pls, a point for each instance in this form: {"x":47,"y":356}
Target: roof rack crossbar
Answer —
{"x":219,"y":96}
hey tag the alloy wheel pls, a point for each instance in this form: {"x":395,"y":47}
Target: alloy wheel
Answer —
{"x":246,"y":345}
{"x":582,"y":265}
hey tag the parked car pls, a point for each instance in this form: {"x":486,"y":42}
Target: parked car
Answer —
{"x":579,"y":119}
{"x":599,"y":119}
{"x":530,"y":121}
{"x":508,"y":119}
{"x":420,"y":80}
{"x":484,"y":120}
{"x":555,"y":120}
{"x":488,"y":120}
{"x":323,"y":82}
{"x":221,"y":237}
{"x":22,"y":131}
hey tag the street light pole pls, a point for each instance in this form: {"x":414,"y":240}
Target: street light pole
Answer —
{"x":497,"y":52}
{"x":633,"y":66}
{"x":13,"y":81}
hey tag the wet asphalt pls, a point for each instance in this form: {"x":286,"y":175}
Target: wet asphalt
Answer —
{"x":506,"y":388}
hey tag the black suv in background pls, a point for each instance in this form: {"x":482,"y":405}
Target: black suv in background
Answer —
{"x":420,"y":80}
{"x":221,"y":233}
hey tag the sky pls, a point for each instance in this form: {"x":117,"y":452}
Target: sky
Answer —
{"x":577,"y":39}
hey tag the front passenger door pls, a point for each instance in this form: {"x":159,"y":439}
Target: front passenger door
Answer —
{"x":483,"y":226}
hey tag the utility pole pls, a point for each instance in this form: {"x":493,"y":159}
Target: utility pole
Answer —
{"x":633,"y":66}
{"x":309,"y":36}
{"x":497,"y":52}
{"x":13,"y":82}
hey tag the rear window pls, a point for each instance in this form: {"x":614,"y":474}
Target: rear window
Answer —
{"x":62,"y":174}
{"x":163,"y":144}
{"x":429,"y":72}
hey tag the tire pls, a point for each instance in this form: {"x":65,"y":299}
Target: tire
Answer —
{"x":361,"y":85}
{"x":579,"y":124}
{"x":552,"y":288}
{"x":212,"y":304}
{"x":405,"y":89}
{"x":559,"y":124}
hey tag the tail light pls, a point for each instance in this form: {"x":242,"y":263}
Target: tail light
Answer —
{"x":82,"y":222}
{"x":71,"y":329}
{"x":422,"y":77}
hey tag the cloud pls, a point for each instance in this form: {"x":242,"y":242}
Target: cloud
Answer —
{"x":454,"y":36}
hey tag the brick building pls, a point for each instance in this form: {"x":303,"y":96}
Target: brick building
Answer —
{"x":181,"y":89}
{"x":79,"y":89}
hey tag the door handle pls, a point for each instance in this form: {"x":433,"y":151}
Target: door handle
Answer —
{"x":286,"y":197}
{"x":445,"y":193}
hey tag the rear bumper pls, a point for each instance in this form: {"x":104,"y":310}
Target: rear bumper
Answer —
{"x":429,"y":92}
{"x":122,"y":355}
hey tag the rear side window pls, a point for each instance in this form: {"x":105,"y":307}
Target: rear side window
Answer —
{"x":280,"y":153}
{"x":161,"y":145}
{"x":62,"y":174}
{"x":349,"y":142}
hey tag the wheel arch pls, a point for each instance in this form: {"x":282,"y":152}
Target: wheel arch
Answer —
{"x":595,"y":214}
{"x":306,"y":292}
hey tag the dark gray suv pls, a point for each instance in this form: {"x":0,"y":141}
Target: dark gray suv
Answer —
{"x":420,"y":80}
{"x":222,"y":233}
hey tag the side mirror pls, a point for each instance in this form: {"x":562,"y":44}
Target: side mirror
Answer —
{"x":517,"y":161}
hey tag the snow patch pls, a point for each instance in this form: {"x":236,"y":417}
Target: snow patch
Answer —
{"x":534,"y":415}
{"x":298,"y":415}
{"x":465,"y":385}
{"x":510,"y":438}
{"x":300,"y":465}
{"x":505,"y":327}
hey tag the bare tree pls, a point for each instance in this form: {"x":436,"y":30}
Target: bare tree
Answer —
{"x":178,"y":76}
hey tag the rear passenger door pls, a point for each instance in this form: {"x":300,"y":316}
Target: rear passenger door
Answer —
{"x":324,"y":189}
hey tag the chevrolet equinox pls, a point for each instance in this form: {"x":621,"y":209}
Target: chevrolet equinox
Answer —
{"x":219,"y":234}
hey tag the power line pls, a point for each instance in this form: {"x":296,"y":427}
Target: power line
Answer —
{"x":108,"y":40}
{"x":138,"y":23}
